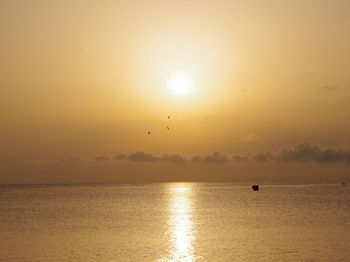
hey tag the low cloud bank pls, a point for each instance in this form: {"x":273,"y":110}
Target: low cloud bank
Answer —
{"x":175,"y":158}
{"x":302,"y":152}
{"x":215,"y":157}
{"x":101,"y":158}
{"x":120,"y":157}
{"x":307,"y":152}
{"x":140,"y":156}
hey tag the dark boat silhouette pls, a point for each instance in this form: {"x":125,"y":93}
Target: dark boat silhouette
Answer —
{"x":255,"y":187}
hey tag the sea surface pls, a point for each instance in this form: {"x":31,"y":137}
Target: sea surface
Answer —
{"x":174,"y":222}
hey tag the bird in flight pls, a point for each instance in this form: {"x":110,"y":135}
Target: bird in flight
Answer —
{"x":168,"y":128}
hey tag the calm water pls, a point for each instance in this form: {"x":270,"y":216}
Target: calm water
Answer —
{"x":174,"y":222}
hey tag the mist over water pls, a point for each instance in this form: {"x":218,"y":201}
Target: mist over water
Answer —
{"x":174,"y":222}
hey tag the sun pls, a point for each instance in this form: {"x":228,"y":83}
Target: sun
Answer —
{"x":180,"y":84}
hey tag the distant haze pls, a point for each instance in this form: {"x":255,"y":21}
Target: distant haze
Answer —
{"x":83,"y":82}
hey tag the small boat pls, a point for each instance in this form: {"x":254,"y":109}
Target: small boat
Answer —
{"x":255,"y":187}
{"x":343,"y":184}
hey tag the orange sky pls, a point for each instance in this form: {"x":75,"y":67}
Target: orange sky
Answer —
{"x":84,"y":81}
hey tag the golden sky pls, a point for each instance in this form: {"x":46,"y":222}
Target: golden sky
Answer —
{"x":255,"y":90}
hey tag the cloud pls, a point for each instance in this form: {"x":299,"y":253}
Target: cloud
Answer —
{"x":263,"y":157}
{"x":101,"y":158}
{"x":196,"y":159}
{"x":302,"y":152}
{"x":239,"y":158}
{"x":305,"y":151}
{"x":120,"y":157}
{"x":215,"y":157}
{"x":140,"y":156}
{"x":175,"y":158}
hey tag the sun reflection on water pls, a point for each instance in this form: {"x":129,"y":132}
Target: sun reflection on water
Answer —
{"x":181,"y":221}
{"x":180,"y":224}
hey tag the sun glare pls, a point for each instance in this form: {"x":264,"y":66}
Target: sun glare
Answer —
{"x":180,"y":84}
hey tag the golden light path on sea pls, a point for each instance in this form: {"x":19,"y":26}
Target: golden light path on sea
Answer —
{"x":180,"y":225}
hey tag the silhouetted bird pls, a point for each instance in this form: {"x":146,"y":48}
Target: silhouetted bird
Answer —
{"x":168,"y":117}
{"x":167,"y":127}
{"x":149,"y":132}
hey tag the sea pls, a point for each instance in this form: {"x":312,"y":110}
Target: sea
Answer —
{"x":174,"y":222}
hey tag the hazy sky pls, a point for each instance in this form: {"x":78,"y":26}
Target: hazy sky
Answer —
{"x":82,"y":82}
